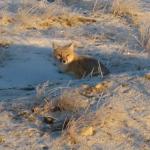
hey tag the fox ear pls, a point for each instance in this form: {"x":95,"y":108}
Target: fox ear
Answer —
{"x":54,"y":45}
{"x":71,"y":46}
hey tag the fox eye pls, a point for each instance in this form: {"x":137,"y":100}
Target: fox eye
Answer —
{"x":58,"y":56}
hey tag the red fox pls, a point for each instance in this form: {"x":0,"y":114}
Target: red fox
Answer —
{"x":78,"y":65}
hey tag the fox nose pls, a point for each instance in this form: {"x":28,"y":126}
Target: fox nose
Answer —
{"x":64,"y":61}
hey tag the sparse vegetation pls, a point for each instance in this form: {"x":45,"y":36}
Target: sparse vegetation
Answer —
{"x":144,"y":29}
{"x":2,"y":139}
{"x":130,"y":8}
{"x":72,"y":101}
{"x":42,"y":17}
{"x":147,"y":76}
{"x":112,"y":112}
{"x":124,"y":8}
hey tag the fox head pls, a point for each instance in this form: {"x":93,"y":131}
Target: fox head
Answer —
{"x":64,"y":54}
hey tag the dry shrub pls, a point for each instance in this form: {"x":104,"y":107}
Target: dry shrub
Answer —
{"x":72,"y":100}
{"x":107,"y":121}
{"x":29,"y":14}
{"x":125,"y":7}
{"x":68,"y":139}
{"x":5,"y":43}
{"x":26,"y":115}
{"x":72,"y":132}
{"x":147,"y":76}
{"x":144,"y":29}
{"x":96,"y":89}
{"x":65,"y":20}
{"x":25,"y":20}
{"x":142,"y":22}
{"x":68,"y":100}
{"x":2,"y":139}
{"x":47,"y":107}
{"x":140,"y":19}
{"x":110,"y":116}
{"x":32,"y":15}
{"x":6,"y":20}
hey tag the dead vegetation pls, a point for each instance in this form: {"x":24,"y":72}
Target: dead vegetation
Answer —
{"x":109,"y":123}
{"x":139,"y":18}
{"x":147,"y":76}
{"x":63,"y":20}
{"x":43,"y":17}
{"x":5,"y":20}
{"x":123,"y":8}
{"x":88,"y":124}
{"x":96,"y":89}
{"x":69,"y":99}
{"x":5,"y":43}
{"x":144,"y":29}
{"x":71,"y":112}
{"x":2,"y":139}
{"x":112,"y":121}
{"x":72,"y":101}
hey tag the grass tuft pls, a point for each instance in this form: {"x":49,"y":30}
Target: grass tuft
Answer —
{"x":130,"y":9}
{"x":123,"y":8}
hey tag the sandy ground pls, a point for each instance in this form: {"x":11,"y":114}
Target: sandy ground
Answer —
{"x":29,"y":74}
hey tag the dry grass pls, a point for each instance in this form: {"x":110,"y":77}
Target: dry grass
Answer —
{"x":5,"y":43}
{"x":147,"y":76}
{"x":123,"y":8}
{"x":5,"y":20}
{"x":131,"y":9}
{"x":35,"y":16}
{"x":72,"y":100}
{"x":96,"y":89}
{"x":144,"y":29}
{"x":108,"y":117}
{"x":2,"y":139}
{"x":43,"y":108}
{"x":62,"y":98}
{"x":65,"y":20}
